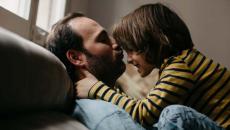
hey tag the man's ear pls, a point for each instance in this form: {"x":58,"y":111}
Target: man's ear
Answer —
{"x":76,"y":57}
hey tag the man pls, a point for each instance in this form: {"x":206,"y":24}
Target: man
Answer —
{"x":83,"y":45}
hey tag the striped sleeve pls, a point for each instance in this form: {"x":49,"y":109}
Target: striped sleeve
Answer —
{"x":173,"y":85}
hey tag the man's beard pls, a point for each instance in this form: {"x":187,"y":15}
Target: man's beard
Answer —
{"x":104,"y":69}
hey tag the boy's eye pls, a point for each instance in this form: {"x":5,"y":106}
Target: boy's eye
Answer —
{"x":139,"y":52}
{"x":134,"y":52}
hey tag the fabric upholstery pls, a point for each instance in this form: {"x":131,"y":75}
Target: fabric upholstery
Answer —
{"x":31,"y":77}
{"x":35,"y":90}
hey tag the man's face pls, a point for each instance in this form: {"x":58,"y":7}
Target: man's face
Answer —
{"x":105,"y":56}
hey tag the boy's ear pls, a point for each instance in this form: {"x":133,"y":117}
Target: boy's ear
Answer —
{"x":77,"y":58}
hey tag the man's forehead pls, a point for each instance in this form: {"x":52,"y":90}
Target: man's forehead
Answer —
{"x":84,"y":26}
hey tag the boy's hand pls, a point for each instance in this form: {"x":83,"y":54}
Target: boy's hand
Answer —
{"x":84,"y":85}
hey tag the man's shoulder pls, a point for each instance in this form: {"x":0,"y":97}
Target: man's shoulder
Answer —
{"x":93,"y":112}
{"x":94,"y":109}
{"x":101,"y":115}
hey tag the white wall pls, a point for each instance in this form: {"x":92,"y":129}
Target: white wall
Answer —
{"x":208,"y":20}
{"x":78,"y":6}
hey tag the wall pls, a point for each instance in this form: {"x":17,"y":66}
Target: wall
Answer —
{"x":11,"y":21}
{"x":78,"y":6}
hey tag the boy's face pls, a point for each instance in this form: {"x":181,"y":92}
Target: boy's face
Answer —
{"x":106,"y":57}
{"x":138,"y":60}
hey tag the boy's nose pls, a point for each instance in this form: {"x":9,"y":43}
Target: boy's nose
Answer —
{"x":129,"y":58}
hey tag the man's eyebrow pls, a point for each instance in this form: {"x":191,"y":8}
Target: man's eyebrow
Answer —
{"x":102,"y":34}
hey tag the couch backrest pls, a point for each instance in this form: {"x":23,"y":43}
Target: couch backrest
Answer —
{"x":31,"y":78}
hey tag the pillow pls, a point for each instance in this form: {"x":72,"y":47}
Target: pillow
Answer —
{"x":31,"y":77}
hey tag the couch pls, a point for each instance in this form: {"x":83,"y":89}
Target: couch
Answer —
{"x":35,"y":90}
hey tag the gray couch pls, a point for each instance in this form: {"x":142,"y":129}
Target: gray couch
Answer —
{"x":35,"y":90}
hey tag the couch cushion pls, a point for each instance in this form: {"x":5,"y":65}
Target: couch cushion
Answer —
{"x":31,"y":78}
{"x":41,"y":121}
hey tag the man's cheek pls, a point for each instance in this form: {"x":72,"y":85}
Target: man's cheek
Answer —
{"x":106,"y":53}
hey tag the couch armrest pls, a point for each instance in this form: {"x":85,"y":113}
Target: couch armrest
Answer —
{"x":41,"y":121}
{"x":31,"y":78}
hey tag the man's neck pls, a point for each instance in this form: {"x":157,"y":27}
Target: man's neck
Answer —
{"x":110,"y":82}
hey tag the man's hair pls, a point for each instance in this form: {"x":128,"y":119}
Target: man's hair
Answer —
{"x":155,"y":30}
{"x":62,"y":38}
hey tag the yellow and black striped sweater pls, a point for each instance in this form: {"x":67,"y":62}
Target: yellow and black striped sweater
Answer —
{"x":190,"y":79}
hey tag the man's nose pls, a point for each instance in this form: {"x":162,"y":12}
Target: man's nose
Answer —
{"x":115,"y":46}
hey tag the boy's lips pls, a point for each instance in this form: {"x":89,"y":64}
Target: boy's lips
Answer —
{"x":136,"y":65}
